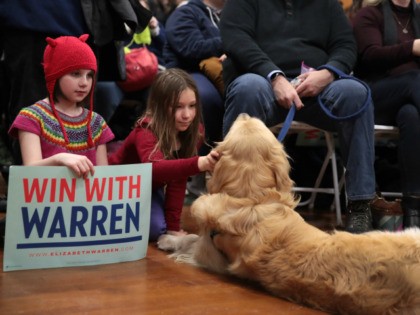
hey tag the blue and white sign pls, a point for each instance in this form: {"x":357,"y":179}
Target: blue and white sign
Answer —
{"x":57,"y":220}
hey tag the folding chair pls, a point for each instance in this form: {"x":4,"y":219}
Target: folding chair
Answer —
{"x":330,"y":157}
{"x":381,"y":132}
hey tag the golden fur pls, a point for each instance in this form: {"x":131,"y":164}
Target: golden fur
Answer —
{"x":248,"y":228}
{"x":252,"y":160}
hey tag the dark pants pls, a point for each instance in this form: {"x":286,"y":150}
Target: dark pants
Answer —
{"x":397,"y":102}
{"x":212,"y":108}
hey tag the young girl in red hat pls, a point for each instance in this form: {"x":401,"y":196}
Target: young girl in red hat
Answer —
{"x":59,"y":130}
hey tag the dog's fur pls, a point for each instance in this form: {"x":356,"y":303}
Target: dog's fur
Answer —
{"x":248,"y":228}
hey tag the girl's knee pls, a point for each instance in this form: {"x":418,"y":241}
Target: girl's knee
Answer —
{"x":157,"y":215}
{"x":157,"y":228}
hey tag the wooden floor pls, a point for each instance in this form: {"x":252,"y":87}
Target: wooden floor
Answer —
{"x":153,"y":285}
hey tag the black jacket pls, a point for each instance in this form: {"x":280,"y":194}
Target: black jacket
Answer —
{"x":262,"y":36}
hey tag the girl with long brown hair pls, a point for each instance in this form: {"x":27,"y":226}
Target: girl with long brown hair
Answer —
{"x":168,"y":135}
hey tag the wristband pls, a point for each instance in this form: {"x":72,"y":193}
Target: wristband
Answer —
{"x":275,"y":75}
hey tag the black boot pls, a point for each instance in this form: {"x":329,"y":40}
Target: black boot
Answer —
{"x":359,"y":217}
{"x":411,"y":209}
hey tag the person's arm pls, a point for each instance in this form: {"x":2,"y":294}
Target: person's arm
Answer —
{"x":239,"y":18}
{"x":286,"y":94}
{"x":101,"y":155}
{"x":341,"y":51}
{"x":30,"y":146}
{"x":174,"y":201}
{"x":185,"y":36}
{"x":341,"y":44}
{"x":165,"y":171}
{"x":243,"y":27}
{"x":106,"y":136}
{"x":313,"y":82}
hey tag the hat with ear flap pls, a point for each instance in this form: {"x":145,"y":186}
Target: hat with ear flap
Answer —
{"x":64,"y":55}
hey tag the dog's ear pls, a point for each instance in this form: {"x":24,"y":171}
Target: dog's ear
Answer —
{"x":239,"y":221}
{"x":280,"y":165}
{"x":237,"y":216}
{"x":207,"y":209}
{"x":224,"y":213}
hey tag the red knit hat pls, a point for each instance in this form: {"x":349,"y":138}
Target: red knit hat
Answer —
{"x":61,"y":56}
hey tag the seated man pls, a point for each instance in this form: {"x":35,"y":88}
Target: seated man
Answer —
{"x":266,"y":43}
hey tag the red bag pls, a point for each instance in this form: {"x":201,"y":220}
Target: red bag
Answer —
{"x":141,"y":69}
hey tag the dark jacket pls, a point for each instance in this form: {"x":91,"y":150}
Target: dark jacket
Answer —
{"x":46,"y":16}
{"x":263,"y":36}
{"x":192,"y":35}
{"x":382,"y":52}
{"x":106,"y":19}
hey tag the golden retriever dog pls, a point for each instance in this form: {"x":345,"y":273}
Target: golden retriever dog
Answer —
{"x":248,"y":228}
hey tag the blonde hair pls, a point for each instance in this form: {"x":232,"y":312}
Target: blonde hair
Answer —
{"x":161,"y":106}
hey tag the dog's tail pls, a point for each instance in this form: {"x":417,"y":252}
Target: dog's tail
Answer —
{"x":401,"y":294}
{"x":410,"y":302}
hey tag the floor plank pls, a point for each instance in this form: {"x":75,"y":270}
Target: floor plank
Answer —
{"x":153,"y":285}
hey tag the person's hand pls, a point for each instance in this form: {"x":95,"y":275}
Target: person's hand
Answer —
{"x":207,"y":163}
{"x":181,"y":232}
{"x":153,"y":23}
{"x":222,"y":58}
{"x":285,"y":93}
{"x":313,"y":82}
{"x":416,"y":47}
{"x":79,"y":164}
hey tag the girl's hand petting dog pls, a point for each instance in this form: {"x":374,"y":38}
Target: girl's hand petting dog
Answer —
{"x":207,"y":163}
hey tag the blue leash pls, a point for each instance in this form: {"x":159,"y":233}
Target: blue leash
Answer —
{"x":287,"y":123}
{"x":340,"y":75}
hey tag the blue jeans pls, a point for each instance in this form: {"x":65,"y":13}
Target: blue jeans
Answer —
{"x":212,"y":108}
{"x":253,"y":94}
{"x":157,"y":215}
{"x":108,"y":97}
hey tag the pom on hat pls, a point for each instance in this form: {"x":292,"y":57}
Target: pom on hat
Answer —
{"x":64,"y":55}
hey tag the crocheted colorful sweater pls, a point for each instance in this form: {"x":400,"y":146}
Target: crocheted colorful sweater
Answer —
{"x":40,"y":120}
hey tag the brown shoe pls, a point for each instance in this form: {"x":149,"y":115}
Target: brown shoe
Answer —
{"x":386,"y":215}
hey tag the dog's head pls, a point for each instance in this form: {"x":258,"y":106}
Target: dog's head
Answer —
{"x":252,"y":160}
{"x":250,"y":185}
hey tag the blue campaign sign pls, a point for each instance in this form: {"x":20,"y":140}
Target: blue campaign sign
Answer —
{"x":57,"y":220}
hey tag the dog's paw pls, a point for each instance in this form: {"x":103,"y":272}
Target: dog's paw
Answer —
{"x":167,"y":242}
